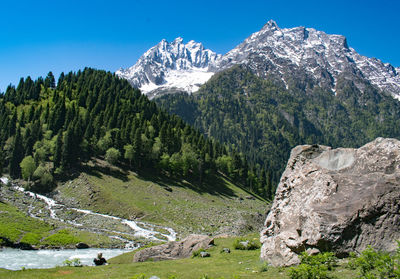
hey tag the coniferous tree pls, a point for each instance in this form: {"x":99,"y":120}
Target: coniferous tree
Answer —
{"x":16,"y":156}
{"x":58,"y":150}
{"x":68,"y":148}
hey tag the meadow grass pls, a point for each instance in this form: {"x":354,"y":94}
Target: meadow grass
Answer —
{"x":237,"y":264}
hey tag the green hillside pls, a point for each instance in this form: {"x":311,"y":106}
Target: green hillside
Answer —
{"x":217,"y":206}
{"x":48,"y":131}
{"x":264,"y":120}
{"x":96,"y":143}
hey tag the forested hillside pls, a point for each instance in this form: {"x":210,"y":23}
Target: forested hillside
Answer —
{"x":48,"y":129}
{"x":264,"y":119}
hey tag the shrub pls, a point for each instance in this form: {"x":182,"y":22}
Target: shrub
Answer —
{"x":245,"y":244}
{"x":314,"y":267}
{"x":264,"y":267}
{"x":112,"y":155}
{"x":327,"y":258}
{"x":306,"y":271}
{"x":74,"y":262}
{"x":373,"y":264}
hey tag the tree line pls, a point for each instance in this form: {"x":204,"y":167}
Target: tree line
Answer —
{"x":48,"y":129}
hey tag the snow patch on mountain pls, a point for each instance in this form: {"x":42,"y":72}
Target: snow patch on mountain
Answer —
{"x":320,"y":56}
{"x":171,"y":65}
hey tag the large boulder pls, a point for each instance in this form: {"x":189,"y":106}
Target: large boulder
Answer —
{"x":174,"y":249}
{"x":339,"y":200}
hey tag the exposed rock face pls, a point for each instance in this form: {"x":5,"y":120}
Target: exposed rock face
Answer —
{"x":174,"y":250}
{"x":335,"y":199}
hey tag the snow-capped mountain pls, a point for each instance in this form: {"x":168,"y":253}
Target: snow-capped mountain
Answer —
{"x":171,"y":65}
{"x":304,"y":54}
{"x":308,"y":54}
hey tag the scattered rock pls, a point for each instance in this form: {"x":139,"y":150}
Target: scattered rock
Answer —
{"x":204,"y":254}
{"x":245,"y":244}
{"x":226,"y":250}
{"x":250,"y":197}
{"x":81,"y":245}
{"x":337,"y":200}
{"x":174,"y":250}
{"x":167,"y":188}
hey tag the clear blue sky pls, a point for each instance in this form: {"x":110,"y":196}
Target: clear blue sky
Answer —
{"x":41,"y":36}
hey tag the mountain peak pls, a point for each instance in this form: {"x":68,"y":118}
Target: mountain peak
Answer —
{"x":270,"y":25}
{"x":178,"y":40}
{"x":171,"y":65}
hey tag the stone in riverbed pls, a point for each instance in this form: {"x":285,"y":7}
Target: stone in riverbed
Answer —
{"x":81,"y":245}
{"x":337,"y":200}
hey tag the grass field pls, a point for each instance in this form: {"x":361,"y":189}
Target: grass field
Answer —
{"x":237,"y":264}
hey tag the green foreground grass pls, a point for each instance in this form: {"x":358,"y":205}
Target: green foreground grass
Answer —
{"x":237,"y":264}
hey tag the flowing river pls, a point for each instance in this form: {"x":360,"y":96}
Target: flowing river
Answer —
{"x":116,"y":227}
{"x":15,"y":259}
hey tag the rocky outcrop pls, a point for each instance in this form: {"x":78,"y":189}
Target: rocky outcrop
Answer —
{"x":335,"y":200}
{"x":174,"y":249}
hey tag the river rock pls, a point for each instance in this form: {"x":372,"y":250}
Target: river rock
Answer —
{"x":337,"y":200}
{"x":81,"y":245}
{"x":174,"y":249}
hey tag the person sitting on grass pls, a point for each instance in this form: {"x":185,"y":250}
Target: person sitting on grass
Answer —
{"x":99,"y":260}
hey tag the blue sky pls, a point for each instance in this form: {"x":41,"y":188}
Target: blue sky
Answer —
{"x":41,"y":36}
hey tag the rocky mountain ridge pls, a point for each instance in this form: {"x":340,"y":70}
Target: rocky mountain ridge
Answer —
{"x":297,"y":55}
{"x":171,"y":65}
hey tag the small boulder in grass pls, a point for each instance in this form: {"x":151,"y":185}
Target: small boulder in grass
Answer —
{"x":244,"y":244}
{"x":204,"y":254}
{"x":226,"y":250}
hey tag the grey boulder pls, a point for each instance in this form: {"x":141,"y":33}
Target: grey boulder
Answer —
{"x":339,"y":200}
{"x":175,"y":249}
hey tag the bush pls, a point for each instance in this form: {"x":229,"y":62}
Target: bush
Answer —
{"x":112,"y":155}
{"x":306,"y":271}
{"x":73,"y":262}
{"x":245,"y":244}
{"x":327,"y":258}
{"x":43,"y":179}
{"x":264,"y":267}
{"x":373,"y":264}
{"x":314,"y":267}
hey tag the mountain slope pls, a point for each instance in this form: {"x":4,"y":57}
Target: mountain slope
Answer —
{"x":265,"y":120}
{"x":300,"y":57}
{"x":312,"y":56}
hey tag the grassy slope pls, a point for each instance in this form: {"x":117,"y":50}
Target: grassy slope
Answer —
{"x":237,"y":264}
{"x":17,"y":227}
{"x":218,"y":206}
{"x":187,"y":208}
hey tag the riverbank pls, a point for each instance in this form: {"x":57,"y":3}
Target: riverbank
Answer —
{"x":32,"y":221}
